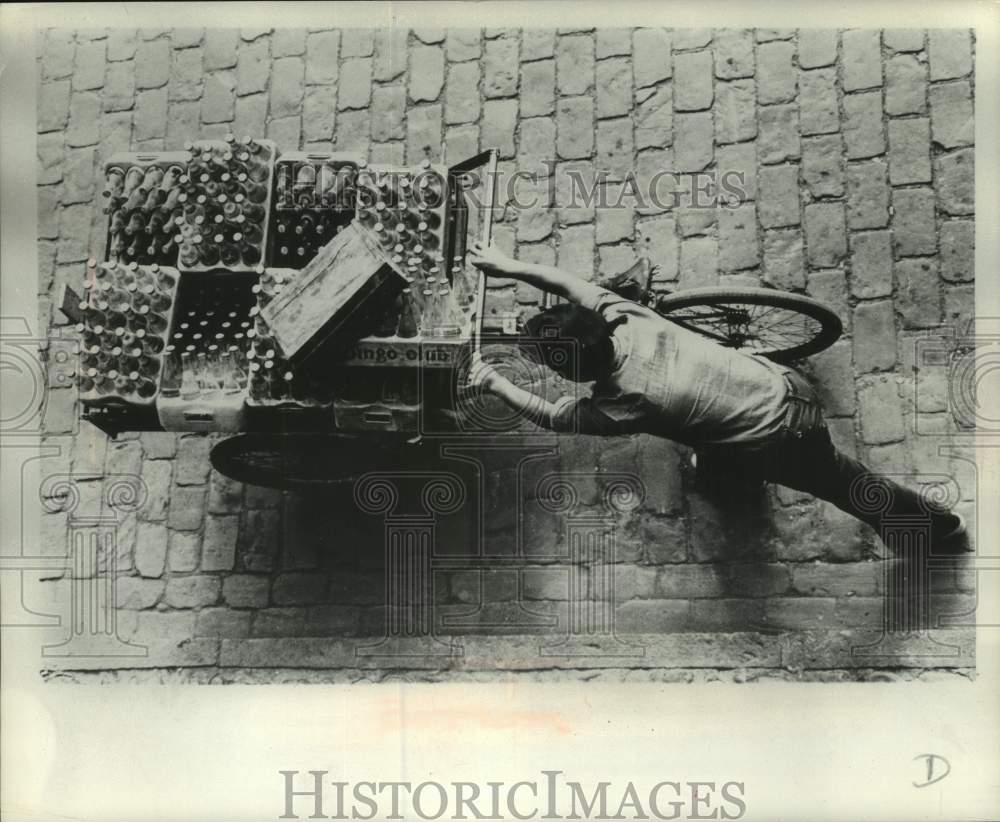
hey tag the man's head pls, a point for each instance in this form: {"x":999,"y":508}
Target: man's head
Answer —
{"x":573,"y":341}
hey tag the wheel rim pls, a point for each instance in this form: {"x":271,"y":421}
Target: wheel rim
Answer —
{"x":761,"y":328}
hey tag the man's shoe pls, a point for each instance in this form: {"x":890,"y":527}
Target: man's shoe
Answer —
{"x":955,"y":541}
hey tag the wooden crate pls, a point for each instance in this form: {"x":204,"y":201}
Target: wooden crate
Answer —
{"x":336,"y":296}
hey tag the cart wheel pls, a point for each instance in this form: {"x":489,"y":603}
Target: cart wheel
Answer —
{"x":776,"y":324}
{"x":303,"y":462}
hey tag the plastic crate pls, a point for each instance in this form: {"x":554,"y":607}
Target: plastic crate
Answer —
{"x":143,"y":215}
{"x":281,"y":383}
{"x":127,"y":311}
{"x":394,"y":202}
{"x":376,"y":416}
{"x":313,"y":198}
{"x":212,"y":207}
{"x":204,"y":388}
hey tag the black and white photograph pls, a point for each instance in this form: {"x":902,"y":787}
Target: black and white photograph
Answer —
{"x":366,"y":359}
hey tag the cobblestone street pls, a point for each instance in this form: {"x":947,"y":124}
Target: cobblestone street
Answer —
{"x":856,"y":154}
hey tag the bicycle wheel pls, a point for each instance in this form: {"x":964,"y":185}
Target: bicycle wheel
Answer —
{"x":301,"y":462}
{"x":776,"y":324}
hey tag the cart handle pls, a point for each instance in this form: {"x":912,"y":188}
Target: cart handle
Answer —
{"x":487,"y":232}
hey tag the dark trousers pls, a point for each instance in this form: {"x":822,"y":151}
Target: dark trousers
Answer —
{"x":803,"y":457}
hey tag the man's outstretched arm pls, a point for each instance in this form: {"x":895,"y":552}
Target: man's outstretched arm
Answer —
{"x":544,"y":277}
{"x":537,"y":409}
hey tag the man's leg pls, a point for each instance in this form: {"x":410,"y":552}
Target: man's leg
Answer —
{"x":805,"y":458}
{"x":727,"y":472}
{"x":814,"y":465}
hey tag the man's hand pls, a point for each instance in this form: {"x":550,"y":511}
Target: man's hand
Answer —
{"x":482,"y":377}
{"x":543,"y":277}
{"x":485,"y":378}
{"x":492,"y":260}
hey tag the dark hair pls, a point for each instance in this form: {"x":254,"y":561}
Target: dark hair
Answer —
{"x":570,"y":339}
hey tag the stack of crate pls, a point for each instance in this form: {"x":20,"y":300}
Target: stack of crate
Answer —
{"x":199,"y":242}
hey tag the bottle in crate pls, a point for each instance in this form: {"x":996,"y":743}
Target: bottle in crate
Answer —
{"x":409,"y":320}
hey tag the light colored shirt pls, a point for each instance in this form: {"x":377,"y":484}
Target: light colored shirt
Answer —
{"x":674,"y":383}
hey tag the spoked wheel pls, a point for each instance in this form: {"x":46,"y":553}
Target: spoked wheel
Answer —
{"x":301,"y":462}
{"x":776,"y":324}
